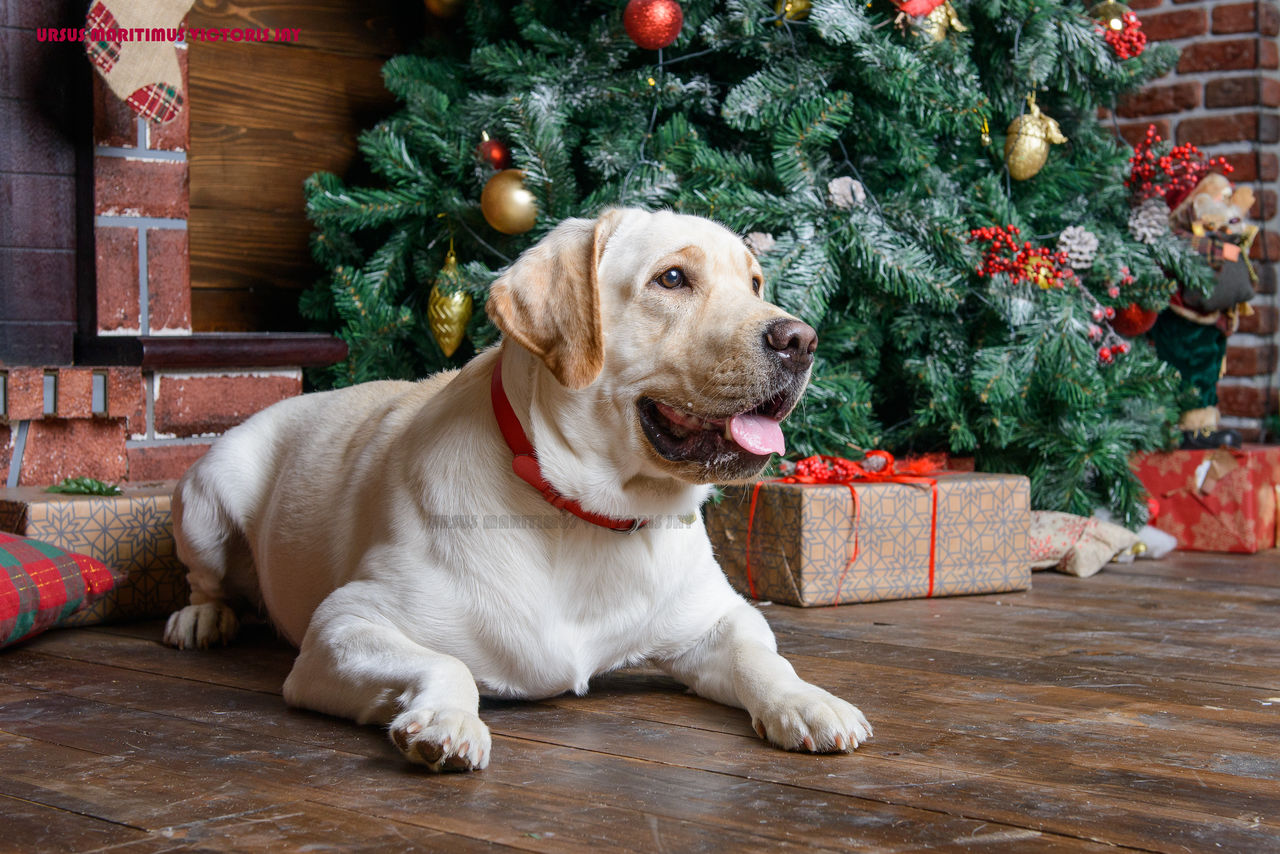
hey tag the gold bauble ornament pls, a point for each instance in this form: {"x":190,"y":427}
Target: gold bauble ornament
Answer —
{"x":942,"y":20}
{"x":507,"y":205}
{"x":1026,"y":147}
{"x":444,"y":8}
{"x":1109,"y":14}
{"x":1040,"y":271}
{"x":448,"y":313}
{"x":791,"y":10}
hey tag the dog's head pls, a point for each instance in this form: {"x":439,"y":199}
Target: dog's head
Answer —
{"x":664,"y":315}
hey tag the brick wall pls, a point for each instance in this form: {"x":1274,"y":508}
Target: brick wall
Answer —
{"x":1222,"y":96}
{"x":140,"y":219}
{"x":121,"y":423}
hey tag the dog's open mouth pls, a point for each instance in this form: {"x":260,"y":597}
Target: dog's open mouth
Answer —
{"x":682,"y":435}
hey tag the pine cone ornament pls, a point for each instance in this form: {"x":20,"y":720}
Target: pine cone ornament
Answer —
{"x":845,"y":192}
{"x":1080,"y":246}
{"x":759,"y":242}
{"x":1149,"y":220}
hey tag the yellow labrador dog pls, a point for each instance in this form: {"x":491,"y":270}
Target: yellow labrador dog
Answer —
{"x":484,"y":531}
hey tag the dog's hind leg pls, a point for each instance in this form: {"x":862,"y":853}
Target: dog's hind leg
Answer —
{"x":215,"y":551}
{"x":355,"y":664}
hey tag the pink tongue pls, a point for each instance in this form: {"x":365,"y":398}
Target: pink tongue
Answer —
{"x":757,"y":433}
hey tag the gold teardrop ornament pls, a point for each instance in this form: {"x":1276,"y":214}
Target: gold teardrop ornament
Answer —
{"x":448,"y":313}
{"x":1026,"y":147}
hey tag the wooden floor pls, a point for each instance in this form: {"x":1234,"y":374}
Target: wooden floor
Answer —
{"x":1136,"y":709}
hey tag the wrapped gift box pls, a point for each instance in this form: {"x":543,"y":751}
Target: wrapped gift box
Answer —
{"x":803,"y":536}
{"x":1219,"y":500}
{"x":132,"y":532}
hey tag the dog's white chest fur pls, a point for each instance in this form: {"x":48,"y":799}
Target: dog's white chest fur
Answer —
{"x":553,"y":628}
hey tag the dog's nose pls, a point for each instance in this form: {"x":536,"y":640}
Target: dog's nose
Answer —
{"x":794,"y":341}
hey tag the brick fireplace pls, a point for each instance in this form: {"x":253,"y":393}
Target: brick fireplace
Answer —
{"x":102,"y":373}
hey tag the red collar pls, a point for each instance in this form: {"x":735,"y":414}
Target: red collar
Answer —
{"x":525,"y":463}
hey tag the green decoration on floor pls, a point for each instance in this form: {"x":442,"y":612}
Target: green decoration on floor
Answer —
{"x":85,"y":486}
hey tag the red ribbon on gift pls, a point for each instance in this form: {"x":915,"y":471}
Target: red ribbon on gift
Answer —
{"x":876,"y":467}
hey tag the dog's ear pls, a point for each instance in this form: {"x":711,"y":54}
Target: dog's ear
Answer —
{"x":549,"y":299}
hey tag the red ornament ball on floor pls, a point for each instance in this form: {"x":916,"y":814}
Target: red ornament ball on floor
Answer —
{"x":653,"y":24}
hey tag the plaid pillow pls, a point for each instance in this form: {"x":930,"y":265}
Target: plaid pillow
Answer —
{"x":41,"y":585}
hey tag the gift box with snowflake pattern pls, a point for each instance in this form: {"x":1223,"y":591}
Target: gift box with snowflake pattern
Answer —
{"x":829,"y":544}
{"x":132,"y":533}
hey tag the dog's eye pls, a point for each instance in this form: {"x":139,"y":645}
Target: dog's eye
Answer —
{"x":756,"y":284}
{"x":673,"y":278}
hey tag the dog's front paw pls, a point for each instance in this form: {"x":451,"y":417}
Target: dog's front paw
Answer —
{"x":201,"y":626}
{"x":443,"y":740}
{"x":810,"y":719}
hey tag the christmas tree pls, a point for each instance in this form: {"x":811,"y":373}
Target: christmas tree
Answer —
{"x":885,"y":164}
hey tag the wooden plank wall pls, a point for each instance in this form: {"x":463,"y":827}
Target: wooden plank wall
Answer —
{"x":264,"y":116}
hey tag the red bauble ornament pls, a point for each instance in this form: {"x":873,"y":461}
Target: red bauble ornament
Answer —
{"x":917,"y":8}
{"x":494,"y":152}
{"x":653,"y":24}
{"x":1133,"y":320}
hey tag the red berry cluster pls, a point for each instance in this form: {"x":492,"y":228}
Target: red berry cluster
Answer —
{"x":1004,"y":255}
{"x":1129,"y":41}
{"x":826,"y":470}
{"x":1126,"y":278}
{"x":1172,"y":175}
{"x":1107,"y":355}
{"x":1101,"y":333}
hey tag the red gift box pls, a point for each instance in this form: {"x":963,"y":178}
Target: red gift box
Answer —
{"x":1221,"y":500}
